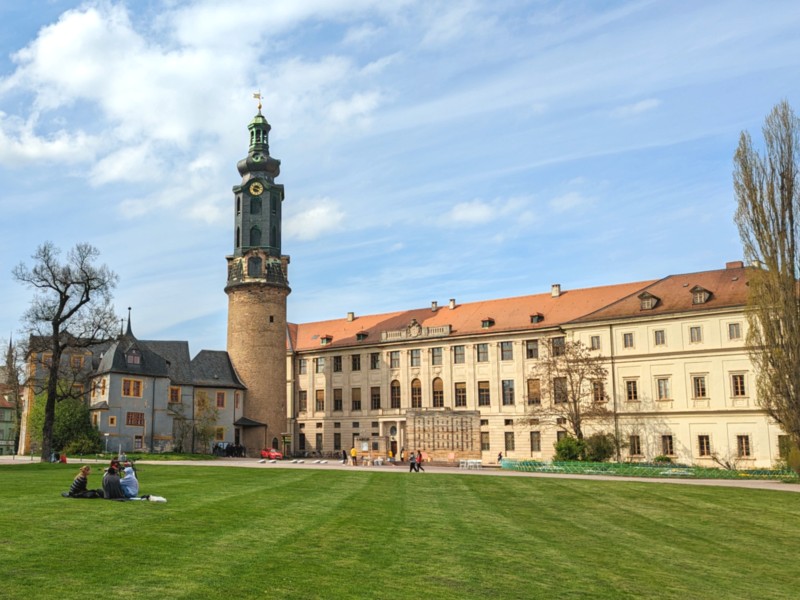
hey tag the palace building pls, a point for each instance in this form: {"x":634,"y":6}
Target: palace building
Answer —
{"x":456,"y":380}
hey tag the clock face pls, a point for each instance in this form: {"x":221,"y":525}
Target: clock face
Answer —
{"x":256,"y":188}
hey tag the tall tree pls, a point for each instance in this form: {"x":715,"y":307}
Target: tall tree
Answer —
{"x":768,"y":216}
{"x":71,"y":308}
{"x":14,"y":383}
{"x":568,"y":384}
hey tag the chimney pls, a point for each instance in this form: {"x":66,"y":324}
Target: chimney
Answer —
{"x":452,"y":304}
{"x":434,"y":306}
{"x":555,"y":290}
{"x":351,"y":316}
{"x":736,"y":264}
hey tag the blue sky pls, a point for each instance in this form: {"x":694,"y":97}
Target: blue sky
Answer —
{"x":430,"y":149}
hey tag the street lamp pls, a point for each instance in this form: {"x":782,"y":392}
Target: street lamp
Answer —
{"x":106,"y":435}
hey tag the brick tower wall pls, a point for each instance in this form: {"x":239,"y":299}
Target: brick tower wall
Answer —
{"x":257,"y":347}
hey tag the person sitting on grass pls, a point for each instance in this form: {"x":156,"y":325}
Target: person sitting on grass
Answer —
{"x":79,"y":487}
{"x":129,"y":483}
{"x":112,"y":490}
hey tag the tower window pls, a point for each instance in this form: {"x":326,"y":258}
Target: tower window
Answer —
{"x":255,"y":236}
{"x":238,"y":205}
{"x":255,"y":206}
{"x":238,"y":237}
{"x":254,"y":266}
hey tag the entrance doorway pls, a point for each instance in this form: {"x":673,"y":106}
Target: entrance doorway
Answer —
{"x":394,"y":449}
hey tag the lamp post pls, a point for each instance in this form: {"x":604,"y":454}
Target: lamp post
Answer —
{"x":106,"y":436}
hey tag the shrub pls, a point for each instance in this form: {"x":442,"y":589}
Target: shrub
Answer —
{"x":662,"y":460}
{"x":793,"y":459}
{"x":85,"y":444}
{"x":570,"y":449}
{"x":599,"y":447}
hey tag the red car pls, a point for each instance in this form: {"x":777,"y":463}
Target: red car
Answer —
{"x":271,"y":454}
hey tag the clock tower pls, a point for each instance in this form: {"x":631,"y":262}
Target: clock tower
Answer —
{"x":257,"y":288}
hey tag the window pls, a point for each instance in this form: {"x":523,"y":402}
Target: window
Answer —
{"x":134,"y":419}
{"x":695,"y":334}
{"x":508,"y":392}
{"x":416,"y":394}
{"x":220,"y":399}
{"x":627,"y":340}
{"x":133,"y":357}
{"x":236,"y":399}
{"x":734,"y":331}
{"x":112,"y":421}
{"x":667,"y":448}
{"x":647,"y":302}
{"x":632,"y":390}
{"x":394,"y":394}
{"x":337,"y":399}
{"x":302,"y":401}
{"x":337,"y":441}
{"x":302,"y":366}
{"x":302,"y":442}
{"x":375,"y":360}
{"x":660,"y":337}
{"x":355,"y":362}
{"x":506,"y":351}
{"x":534,"y":391}
{"x":484,"y":395}
{"x":318,"y":445}
{"x":484,"y":422}
{"x":594,"y":342}
{"x":536,"y":441}
{"x":559,"y":390}
{"x":174,"y":394}
{"x":558,"y":345}
{"x":76,"y":361}
{"x":138,"y":442}
{"x":662,"y":388}
{"x":438,"y":393}
{"x":531,"y":348}
{"x":132,"y":388}
{"x":482,"y":352}
{"x":375,"y":398}
{"x":598,"y":391}
{"x":96,"y":420}
{"x":436,"y":356}
{"x":219,"y":434}
{"x":337,"y":364}
{"x":461,"y":394}
{"x":254,"y":266}
{"x":699,"y":386}
{"x":415,"y":356}
{"x":560,"y":435}
{"x":737,"y":385}
{"x":699,"y":295}
{"x":704,"y":445}
{"x":484,"y":441}
{"x":319,"y":365}
{"x":459,"y":355}
{"x":784,"y":446}
{"x":394,"y":359}
{"x":319,"y":405}
{"x":509,"y":439}
{"x":743,"y":446}
{"x":635,"y":445}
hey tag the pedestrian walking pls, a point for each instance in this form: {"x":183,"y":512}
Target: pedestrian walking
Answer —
{"x":412,"y":463}
{"x":419,"y":462}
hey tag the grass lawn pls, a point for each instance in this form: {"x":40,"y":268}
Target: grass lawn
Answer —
{"x":303,"y":533}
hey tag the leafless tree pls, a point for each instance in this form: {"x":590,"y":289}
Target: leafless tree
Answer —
{"x":71,"y":308}
{"x":768,"y":215}
{"x":567,"y":385}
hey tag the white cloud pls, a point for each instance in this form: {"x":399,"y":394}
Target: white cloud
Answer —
{"x":476,"y":212}
{"x":632,"y":110}
{"x":362,"y":33}
{"x":570,"y":201}
{"x":316,"y":218}
{"x":358,"y":105}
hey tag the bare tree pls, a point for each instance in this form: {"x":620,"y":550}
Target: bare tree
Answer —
{"x":568,"y":384}
{"x":71,"y":308}
{"x":768,"y":195}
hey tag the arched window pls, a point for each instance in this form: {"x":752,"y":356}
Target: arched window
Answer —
{"x":416,"y":394}
{"x":255,"y":206}
{"x":238,"y":237}
{"x":238,"y":204}
{"x":438,"y":393}
{"x":254,"y":266}
{"x":273,"y":237}
{"x":275,"y":443}
{"x":394,"y":397}
{"x":255,"y":236}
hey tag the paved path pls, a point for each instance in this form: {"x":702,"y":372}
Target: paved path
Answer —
{"x":253,"y":463}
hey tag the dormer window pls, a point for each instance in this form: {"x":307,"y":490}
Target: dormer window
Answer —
{"x":537,"y":318}
{"x":361,"y":336}
{"x":647,"y":301}
{"x":325,"y":340}
{"x":487,"y":322}
{"x":700,"y":295}
{"x":133,"y":357}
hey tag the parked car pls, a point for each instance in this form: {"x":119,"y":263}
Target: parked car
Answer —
{"x":271,"y":454}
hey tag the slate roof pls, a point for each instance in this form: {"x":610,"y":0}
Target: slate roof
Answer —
{"x":114,"y":360}
{"x":213,"y":368}
{"x":508,"y":314}
{"x":177,"y":356}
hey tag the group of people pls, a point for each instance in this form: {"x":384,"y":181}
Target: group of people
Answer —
{"x":119,"y":483}
{"x":415,"y":462}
